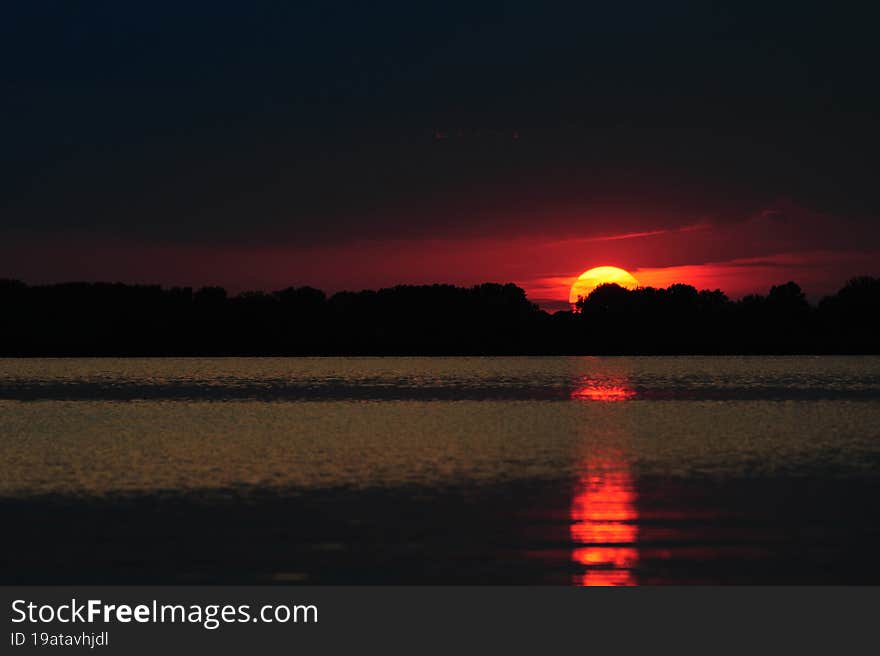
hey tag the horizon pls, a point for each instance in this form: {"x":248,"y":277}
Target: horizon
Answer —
{"x":545,"y":306}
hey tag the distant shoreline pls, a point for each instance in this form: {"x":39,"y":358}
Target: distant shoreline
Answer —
{"x":118,"y":320}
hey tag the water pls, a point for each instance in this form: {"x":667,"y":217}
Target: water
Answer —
{"x":524,"y":470}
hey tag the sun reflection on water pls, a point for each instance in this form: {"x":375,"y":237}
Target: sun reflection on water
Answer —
{"x":603,"y":391}
{"x":604,"y":526}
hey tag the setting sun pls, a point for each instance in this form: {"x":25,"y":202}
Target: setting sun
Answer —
{"x":589,"y":280}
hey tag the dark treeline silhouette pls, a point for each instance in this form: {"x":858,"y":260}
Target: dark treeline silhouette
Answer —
{"x":84,"y":319}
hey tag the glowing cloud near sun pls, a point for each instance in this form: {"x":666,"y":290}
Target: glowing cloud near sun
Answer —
{"x":589,"y":280}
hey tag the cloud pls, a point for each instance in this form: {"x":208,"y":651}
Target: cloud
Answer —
{"x":776,"y":243}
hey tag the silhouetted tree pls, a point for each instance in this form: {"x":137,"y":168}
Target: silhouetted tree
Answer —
{"x":850,"y":319}
{"x":117,"y":319}
{"x":787,"y":299}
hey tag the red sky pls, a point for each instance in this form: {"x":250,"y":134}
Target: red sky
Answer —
{"x":740,"y":257}
{"x":261,"y":145}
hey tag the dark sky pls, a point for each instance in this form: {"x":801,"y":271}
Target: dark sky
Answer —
{"x":352,"y":144}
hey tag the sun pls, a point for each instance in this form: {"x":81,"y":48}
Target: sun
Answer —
{"x":589,"y":280}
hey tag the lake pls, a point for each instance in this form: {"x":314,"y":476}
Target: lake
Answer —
{"x":585,"y":471}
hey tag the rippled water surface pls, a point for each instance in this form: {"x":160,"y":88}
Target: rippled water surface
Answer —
{"x":97,"y":426}
{"x":597,"y":470}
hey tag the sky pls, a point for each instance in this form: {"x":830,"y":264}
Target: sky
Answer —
{"x":351,"y":145}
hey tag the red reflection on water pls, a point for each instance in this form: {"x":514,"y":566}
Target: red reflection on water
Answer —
{"x":604,"y":525}
{"x":603,"y":391}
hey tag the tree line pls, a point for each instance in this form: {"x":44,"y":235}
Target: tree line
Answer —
{"x":115,"y":319}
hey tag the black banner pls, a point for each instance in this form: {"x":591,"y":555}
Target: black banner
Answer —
{"x":412,"y":620}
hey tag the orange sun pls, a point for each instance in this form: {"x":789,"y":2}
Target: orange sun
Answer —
{"x":589,"y":280}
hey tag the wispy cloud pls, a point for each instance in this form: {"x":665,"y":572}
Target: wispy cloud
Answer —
{"x":629,"y":235}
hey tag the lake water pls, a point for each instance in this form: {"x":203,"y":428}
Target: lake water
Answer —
{"x":522,"y":470}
